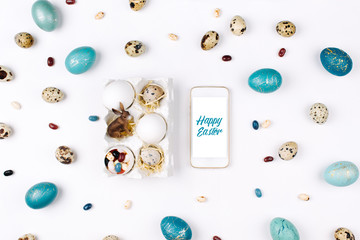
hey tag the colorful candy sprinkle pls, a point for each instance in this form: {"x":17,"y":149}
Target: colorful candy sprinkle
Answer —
{"x":268,"y":159}
{"x":255,"y":125}
{"x":8,"y":173}
{"x":87,"y":206}
{"x":258,"y":193}
{"x":93,"y":118}
{"x":53,"y":126}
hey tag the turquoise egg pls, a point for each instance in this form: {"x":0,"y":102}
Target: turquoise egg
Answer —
{"x":41,"y":195}
{"x":80,"y":60}
{"x":336,"y":61}
{"x":341,"y":174}
{"x":265,"y":80}
{"x":45,"y":15}
{"x":175,"y":228}
{"x":282,"y":229}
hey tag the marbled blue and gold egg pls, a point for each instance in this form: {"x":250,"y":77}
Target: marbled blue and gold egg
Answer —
{"x":341,"y":174}
{"x":80,"y":60}
{"x":174,"y":228}
{"x":265,"y":80}
{"x":41,"y":195}
{"x":336,"y":61}
{"x":283,"y":229}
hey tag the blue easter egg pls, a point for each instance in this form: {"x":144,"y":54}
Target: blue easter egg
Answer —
{"x":80,"y":60}
{"x":175,"y":228}
{"x":45,"y":15}
{"x":341,"y":174}
{"x":258,"y":192}
{"x":265,"y":80}
{"x":336,"y":61}
{"x":118,"y":167}
{"x":41,"y":195}
{"x":282,"y":229}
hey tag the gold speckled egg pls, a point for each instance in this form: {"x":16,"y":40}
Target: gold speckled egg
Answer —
{"x":24,"y":40}
{"x":285,"y":28}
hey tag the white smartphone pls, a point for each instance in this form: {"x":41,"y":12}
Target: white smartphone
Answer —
{"x":209,"y":127}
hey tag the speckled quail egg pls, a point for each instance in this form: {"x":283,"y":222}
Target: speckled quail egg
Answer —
{"x":150,"y":156}
{"x":5,"y":74}
{"x":5,"y":131}
{"x":209,"y":40}
{"x":285,"y":28}
{"x":288,"y":150}
{"x":134,"y":48}
{"x":64,"y":155}
{"x":151,"y":128}
{"x":237,"y":25}
{"x":27,"y":237}
{"x":52,"y":95}
{"x":319,"y":113}
{"x":136,"y":5}
{"x":152,"y":93}
{"x":344,"y":234}
{"x":111,"y":237}
{"x":24,"y":40}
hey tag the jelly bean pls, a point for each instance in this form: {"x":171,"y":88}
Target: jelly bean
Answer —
{"x":258,"y":193}
{"x":118,"y":167}
{"x":87,"y":206}
{"x":53,"y":126}
{"x":255,"y":125}
{"x":8,"y":173}
{"x":216,"y":238}
{"x":70,"y":2}
{"x":282,"y":52}
{"x":268,"y":159}
{"x":93,"y":118}
{"x":226,"y":58}
{"x":122,"y":156}
{"x":50,"y":61}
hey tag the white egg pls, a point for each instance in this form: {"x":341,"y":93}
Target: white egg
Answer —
{"x":116,"y":92}
{"x":151,"y":128}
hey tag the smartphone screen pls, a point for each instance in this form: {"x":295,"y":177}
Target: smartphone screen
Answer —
{"x":209,"y":126}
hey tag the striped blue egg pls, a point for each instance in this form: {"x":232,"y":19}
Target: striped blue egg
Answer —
{"x":282,"y":229}
{"x":336,"y":61}
{"x":175,"y":228}
{"x":341,"y":174}
{"x":80,"y":60}
{"x":265,"y":80}
{"x":41,"y":195}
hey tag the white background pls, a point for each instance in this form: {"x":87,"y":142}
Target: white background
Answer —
{"x":232,"y":210}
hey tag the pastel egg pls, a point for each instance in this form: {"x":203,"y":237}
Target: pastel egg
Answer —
{"x":45,"y":15}
{"x":288,"y":150}
{"x":282,"y":229}
{"x":151,"y":128}
{"x":237,"y":25}
{"x":336,"y":61}
{"x":209,"y":40}
{"x":341,"y":174}
{"x":175,"y":228}
{"x":80,"y":60}
{"x":117,"y":92}
{"x":285,"y":28}
{"x":265,"y":80}
{"x":319,"y":113}
{"x":5,"y":74}
{"x":41,"y":195}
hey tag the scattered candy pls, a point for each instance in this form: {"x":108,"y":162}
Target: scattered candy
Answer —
{"x":53,"y":126}
{"x":99,"y":15}
{"x":5,"y":131}
{"x":217,"y":13}
{"x":64,"y":155}
{"x":127,"y":204}
{"x":226,"y":58}
{"x":285,"y":28}
{"x":344,"y":234}
{"x":27,"y":237}
{"x":24,"y":40}
{"x":304,"y":197}
{"x":282,"y":52}
{"x":209,"y":40}
{"x":16,"y":105}
{"x":8,"y":173}
{"x":201,"y":199}
{"x":268,"y":159}
{"x":255,"y":125}
{"x":50,"y":61}
{"x":237,"y":25}
{"x":93,"y":118}
{"x":266,"y":124}
{"x":70,"y":2}
{"x":5,"y":74}
{"x":216,"y":238}
{"x":173,"y":36}
{"x":288,"y":150}
{"x":258,"y":193}
{"x":87,"y":206}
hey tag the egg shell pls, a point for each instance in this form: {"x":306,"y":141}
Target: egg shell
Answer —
{"x":116,"y":92}
{"x":5,"y":74}
{"x":41,"y":195}
{"x":344,"y":234}
{"x":136,"y":5}
{"x":45,"y":15}
{"x":336,"y":61}
{"x":319,"y":113}
{"x":151,"y":128}
{"x":209,"y":40}
{"x":175,"y":228}
{"x":265,"y":80}
{"x":80,"y":60}
{"x":341,"y":174}
{"x":237,"y":25}
{"x":282,"y":229}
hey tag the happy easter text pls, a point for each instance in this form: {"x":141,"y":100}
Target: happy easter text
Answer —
{"x":211,"y":126}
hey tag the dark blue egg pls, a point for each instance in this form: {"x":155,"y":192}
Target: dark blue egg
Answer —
{"x":255,"y":125}
{"x":175,"y":228}
{"x":336,"y":61}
